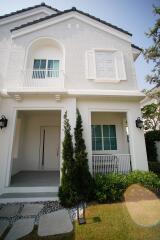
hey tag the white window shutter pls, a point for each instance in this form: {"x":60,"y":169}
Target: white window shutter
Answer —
{"x":120,"y":66}
{"x":90,"y":68}
{"x":105,"y":67}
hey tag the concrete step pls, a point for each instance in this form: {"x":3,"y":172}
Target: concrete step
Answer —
{"x":28,"y":197}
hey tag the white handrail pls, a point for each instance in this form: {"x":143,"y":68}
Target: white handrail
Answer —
{"x":43,"y":73}
{"x":106,"y":163}
{"x":42,"y":78}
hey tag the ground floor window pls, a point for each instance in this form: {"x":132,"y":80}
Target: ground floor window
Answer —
{"x":104,"y":137}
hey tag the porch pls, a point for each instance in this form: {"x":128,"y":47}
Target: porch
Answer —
{"x":35,"y":159}
{"x":110,"y":143}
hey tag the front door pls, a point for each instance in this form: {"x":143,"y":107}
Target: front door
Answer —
{"x":49,"y":148}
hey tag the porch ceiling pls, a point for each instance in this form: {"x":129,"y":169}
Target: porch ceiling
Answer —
{"x":39,"y":112}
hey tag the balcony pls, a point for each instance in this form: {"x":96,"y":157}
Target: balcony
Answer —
{"x":32,"y":80}
{"x":41,"y":71}
{"x":42,"y":79}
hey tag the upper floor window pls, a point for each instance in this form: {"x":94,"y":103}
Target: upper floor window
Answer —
{"x":104,"y":137}
{"x":45,"y":68}
{"x":105,"y":65}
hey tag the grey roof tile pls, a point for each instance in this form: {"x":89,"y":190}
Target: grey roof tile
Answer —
{"x":27,"y":9}
{"x":73,"y":9}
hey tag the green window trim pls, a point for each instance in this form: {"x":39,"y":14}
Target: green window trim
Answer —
{"x":104,"y":137}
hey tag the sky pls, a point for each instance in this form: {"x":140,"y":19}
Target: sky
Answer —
{"x":135,"y":16}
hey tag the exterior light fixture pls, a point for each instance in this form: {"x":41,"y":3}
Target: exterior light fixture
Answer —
{"x":3,"y":122}
{"x":139,"y":123}
{"x":81,"y":219}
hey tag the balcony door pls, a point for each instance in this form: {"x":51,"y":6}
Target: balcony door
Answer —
{"x":49,"y":148}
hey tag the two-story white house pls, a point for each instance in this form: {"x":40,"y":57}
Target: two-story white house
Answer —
{"x":55,"y":61}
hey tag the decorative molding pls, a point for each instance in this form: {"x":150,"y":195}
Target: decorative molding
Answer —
{"x":18,"y":97}
{"x":75,"y":92}
{"x":58,"y":97}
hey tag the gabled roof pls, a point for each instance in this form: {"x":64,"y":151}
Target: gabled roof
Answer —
{"x":27,"y":9}
{"x":73,"y":9}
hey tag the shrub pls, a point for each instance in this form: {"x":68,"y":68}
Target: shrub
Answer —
{"x":67,"y":190}
{"x":76,"y":183}
{"x":147,"y":179}
{"x":110,"y":187}
{"x":154,"y":167}
{"x":83,"y":181}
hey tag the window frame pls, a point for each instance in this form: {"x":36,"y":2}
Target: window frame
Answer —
{"x":40,"y":61}
{"x":45,"y":72}
{"x":102,"y":138}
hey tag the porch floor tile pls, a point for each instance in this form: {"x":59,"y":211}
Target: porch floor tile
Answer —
{"x":35,"y":179}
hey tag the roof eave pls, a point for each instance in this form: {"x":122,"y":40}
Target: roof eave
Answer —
{"x":28,"y":9}
{"x":72,"y":10}
{"x":136,"y":51}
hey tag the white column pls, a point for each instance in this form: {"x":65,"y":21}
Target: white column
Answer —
{"x":6,"y":141}
{"x":89,"y":141}
{"x":137,"y":141}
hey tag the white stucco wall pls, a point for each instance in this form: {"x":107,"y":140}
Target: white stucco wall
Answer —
{"x":44,"y":49}
{"x":18,"y":139}
{"x":76,"y":41}
{"x":6,"y":41}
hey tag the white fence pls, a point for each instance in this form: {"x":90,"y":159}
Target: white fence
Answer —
{"x":117,"y":163}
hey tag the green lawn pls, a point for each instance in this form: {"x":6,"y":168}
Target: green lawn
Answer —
{"x":116,"y":224}
{"x":107,"y":222}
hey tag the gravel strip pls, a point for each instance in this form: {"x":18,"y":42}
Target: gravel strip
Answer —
{"x":48,"y":207}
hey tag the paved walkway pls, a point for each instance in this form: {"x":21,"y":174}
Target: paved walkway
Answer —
{"x":20,"y":229}
{"x":62,"y":223}
{"x":18,"y":219}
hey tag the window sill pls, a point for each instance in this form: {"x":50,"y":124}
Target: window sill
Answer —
{"x":104,"y":152}
{"x":98,"y":80}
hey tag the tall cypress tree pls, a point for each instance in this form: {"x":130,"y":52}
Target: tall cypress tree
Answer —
{"x":153,"y":52}
{"x":67,"y":191}
{"x":83,"y":180}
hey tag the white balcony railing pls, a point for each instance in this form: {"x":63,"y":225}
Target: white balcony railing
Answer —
{"x":117,"y":163}
{"x":31,"y":79}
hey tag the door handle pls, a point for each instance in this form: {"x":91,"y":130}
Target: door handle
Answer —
{"x":57,"y":152}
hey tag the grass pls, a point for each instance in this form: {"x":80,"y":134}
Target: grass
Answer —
{"x":107,"y":221}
